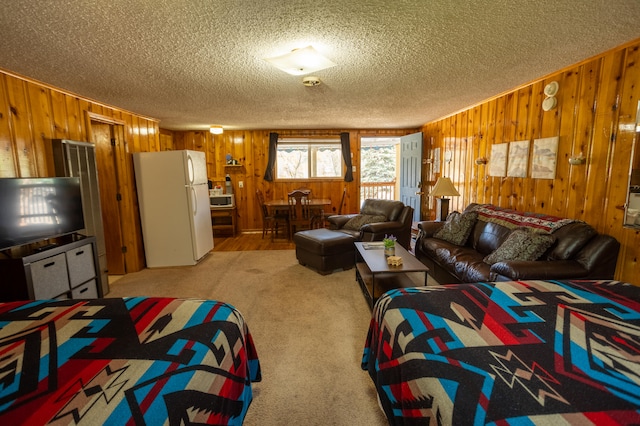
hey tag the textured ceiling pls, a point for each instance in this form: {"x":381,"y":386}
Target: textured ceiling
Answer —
{"x":194,"y":63}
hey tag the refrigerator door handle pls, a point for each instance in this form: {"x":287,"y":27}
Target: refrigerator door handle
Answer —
{"x":190,"y":170}
{"x":194,"y":201}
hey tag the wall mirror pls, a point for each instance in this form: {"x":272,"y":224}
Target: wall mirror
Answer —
{"x":632,"y":213}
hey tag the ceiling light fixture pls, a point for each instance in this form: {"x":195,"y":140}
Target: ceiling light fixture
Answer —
{"x":216,"y":130}
{"x":301,"y":61}
{"x":311,"y":81}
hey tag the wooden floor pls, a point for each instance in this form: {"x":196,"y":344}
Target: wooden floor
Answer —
{"x":251,"y":241}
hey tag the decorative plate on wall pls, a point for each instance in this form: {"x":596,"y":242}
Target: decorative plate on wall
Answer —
{"x":551,"y":89}
{"x":549,"y":104}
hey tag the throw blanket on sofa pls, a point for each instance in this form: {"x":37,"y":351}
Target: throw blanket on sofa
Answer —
{"x":514,"y":219}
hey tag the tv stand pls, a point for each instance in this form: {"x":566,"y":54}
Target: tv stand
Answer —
{"x":46,"y":247}
{"x":59,"y":269}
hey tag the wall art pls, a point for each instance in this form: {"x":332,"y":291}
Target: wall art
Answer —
{"x":518,"y":159}
{"x":545,"y":157}
{"x":498,"y":160}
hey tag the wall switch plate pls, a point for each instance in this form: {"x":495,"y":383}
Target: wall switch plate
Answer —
{"x":353,"y":169}
{"x":240,"y":184}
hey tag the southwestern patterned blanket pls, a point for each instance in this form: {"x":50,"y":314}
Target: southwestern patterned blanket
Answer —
{"x":532,"y":352}
{"x":143,"y":361}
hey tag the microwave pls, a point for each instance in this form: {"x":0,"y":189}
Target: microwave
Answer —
{"x":224,"y":200}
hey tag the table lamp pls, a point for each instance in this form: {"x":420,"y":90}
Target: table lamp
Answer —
{"x":443,"y":188}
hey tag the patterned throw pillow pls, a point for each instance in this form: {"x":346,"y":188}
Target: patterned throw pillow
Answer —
{"x":457,"y":228}
{"x":521,"y":244}
{"x":356,"y":222}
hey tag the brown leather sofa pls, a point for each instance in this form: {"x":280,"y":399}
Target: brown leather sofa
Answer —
{"x":577,"y":251}
{"x":395,"y":219}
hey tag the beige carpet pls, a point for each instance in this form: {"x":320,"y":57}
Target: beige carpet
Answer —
{"x":309,"y":332}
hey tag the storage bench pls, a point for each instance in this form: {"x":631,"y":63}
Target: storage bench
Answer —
{"x":324,"y":250}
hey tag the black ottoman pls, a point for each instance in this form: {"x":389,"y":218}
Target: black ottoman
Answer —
{"x":325,"y":250}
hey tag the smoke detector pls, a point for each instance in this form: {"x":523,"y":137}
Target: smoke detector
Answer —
{"x":311,"y":81}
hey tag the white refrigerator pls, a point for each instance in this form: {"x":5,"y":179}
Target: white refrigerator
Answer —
{"x":173,"y":195}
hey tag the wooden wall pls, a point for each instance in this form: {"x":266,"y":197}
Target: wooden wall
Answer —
{"x":250,"y":148}
{"x":595,"y":115}
{"x":33,"y":113}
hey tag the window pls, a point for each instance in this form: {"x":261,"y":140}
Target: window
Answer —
{"x":300,"y":158}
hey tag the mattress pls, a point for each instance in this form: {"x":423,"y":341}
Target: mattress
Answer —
{"x":125,"y":361}
{"x":527,"y":352}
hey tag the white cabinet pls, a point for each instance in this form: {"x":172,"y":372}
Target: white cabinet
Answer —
{"x":49,"y":277}
{"x":66,"y":270}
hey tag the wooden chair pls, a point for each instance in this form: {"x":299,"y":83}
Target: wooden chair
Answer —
{"x":344,"y":195}
{"x":270,"y":221}
{"x":305,"y":190}
{"x":299,"y":212}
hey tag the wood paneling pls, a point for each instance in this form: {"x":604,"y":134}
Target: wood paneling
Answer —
{"x":595,"y":115}
{"x":33,"y":113}
{"x":250,"y":148}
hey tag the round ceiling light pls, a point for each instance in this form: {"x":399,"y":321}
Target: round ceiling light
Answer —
{"x":216,"y":130}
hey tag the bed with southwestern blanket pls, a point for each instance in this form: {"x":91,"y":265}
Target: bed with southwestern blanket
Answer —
{"x":528,"y":352}
{"x":142,"y":361}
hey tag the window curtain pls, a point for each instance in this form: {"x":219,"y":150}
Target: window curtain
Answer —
{"x":346,"y":154}
{"x":271,"y":161}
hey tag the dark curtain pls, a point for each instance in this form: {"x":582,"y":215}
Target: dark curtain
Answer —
{"x":271,"y":162}
{"x":346,"y":154}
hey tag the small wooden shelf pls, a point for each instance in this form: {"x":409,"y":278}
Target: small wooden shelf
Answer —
{"x":234,"y":168}
{"x":223,"y":219}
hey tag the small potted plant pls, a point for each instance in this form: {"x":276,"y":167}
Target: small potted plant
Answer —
{"x":389,"y":242}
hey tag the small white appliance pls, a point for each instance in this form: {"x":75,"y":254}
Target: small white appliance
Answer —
{"x":221,"y":201}
{"x":173,"y":194}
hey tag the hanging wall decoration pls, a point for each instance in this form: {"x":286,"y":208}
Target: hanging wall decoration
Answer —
{"x":498,"y":161}
{"x":545,"y":153}
{"x":518,"y":159}
{"x":436,"y":160}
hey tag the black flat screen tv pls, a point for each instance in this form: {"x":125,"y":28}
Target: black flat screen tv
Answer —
{"x":38,"y":209}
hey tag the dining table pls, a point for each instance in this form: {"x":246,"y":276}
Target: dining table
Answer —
{"x":281,"y":206}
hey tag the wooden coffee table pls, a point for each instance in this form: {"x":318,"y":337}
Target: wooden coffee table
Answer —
{"x":375,"y":276}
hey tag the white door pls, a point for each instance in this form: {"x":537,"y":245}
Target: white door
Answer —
{"x":411,"y":172}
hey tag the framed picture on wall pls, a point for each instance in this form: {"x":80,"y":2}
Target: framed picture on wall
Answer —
{"x":498,"y":161}
{"x":545,"y":157}
{"x":518,"y":159}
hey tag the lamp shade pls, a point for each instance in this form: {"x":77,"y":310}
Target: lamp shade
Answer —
{"x":301,"y":61}
{"x":444,"y":188}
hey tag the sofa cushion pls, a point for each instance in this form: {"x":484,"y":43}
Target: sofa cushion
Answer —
{"x":463,"y":262}
{"x":389,"y":208}
{"x":457,"y":228}
{"x":488,"y":236}
{"x":570,"y":239}
{"x":521,"y":244}
{"x":473,"y":270}
{"x":356,"y":222}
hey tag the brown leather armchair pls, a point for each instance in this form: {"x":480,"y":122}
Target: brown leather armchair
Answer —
{"x":376,"y":219}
